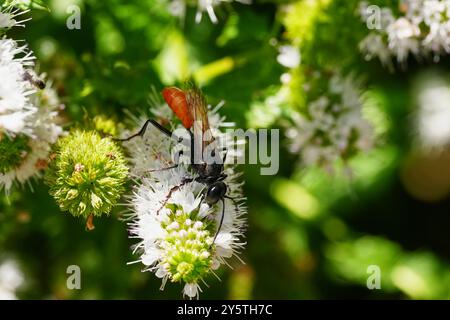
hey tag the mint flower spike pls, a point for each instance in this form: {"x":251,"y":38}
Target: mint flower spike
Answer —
{"x":177,"y":243}
{"x":15,"y":91}
{"x":16,"y":107}
{"x":176,"y":233}
{"x":28,"y":120}
{"x":87,"y":175}
{"x":333,"y":127}
{"x":23,"y":154}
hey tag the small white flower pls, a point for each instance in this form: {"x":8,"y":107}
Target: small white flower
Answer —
{"x":208,"y":6}
{"x":433,"y":11}
{"x":414,"y":11}
{"x":289,"y":56}
{"x":198,"y":225}
{"x":402,"y":39}
{"x":191,"y":290}
{"x":178,"y":8}
{"x":8,"y":18}
{"x":402,"y":28}
{"x":373,"y":46}
{"x":438,"y":39}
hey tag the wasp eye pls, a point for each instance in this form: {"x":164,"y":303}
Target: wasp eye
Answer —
{"x":215,"y":192}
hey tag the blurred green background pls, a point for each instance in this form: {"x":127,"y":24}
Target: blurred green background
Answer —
{"x":311,"y":235}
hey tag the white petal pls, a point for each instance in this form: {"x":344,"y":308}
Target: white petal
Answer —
{"x":150,"y":257}
{"x":203,"y":211}
{"x":191,"y":290}
{"x":14,"y":122}
{"x":161,"y":272}
{"x":215,"y":264}
{"x":224,"y":240}
{"x":150,"y":228}
{"x":224,"y":252}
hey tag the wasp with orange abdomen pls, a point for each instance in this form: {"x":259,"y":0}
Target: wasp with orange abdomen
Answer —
{"x":190,"y":107}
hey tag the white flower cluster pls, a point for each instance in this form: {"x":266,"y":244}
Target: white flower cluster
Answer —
{"x":15,"y":89}
{"x":178,"y":8}
{"x":176,"y":228}
{"x":422,"y":30}
{"x":27,"y":116}
{"x":333,"y":126}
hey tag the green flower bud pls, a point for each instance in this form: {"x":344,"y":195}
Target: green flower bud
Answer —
{"x":87,"y":175}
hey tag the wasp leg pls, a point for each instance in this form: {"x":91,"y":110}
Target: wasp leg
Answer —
{"x":223,"y":215}
{"x":222,"y":177}
{"x":225,"y":155}
{"x":162,"y":169}
{"x":176,"y":165}
{"x":141,"y":132}
{"x":169,"y":195}
{"x":221,"y":221}
{"x":192,"y":146}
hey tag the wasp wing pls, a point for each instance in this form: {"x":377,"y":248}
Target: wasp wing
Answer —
{"x":201,"y":130}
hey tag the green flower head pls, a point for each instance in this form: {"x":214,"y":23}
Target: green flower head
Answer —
{"x":187,"y":246}
{"x":87,"y":174}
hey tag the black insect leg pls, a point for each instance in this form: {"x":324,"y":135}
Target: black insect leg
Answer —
{"x":192,"y":146}
{"x":162,"y":169}
{"x":172,"y":190}
{"x":141,"y":132}
{"x":221,"y":221}
{"x":224,"y":156}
